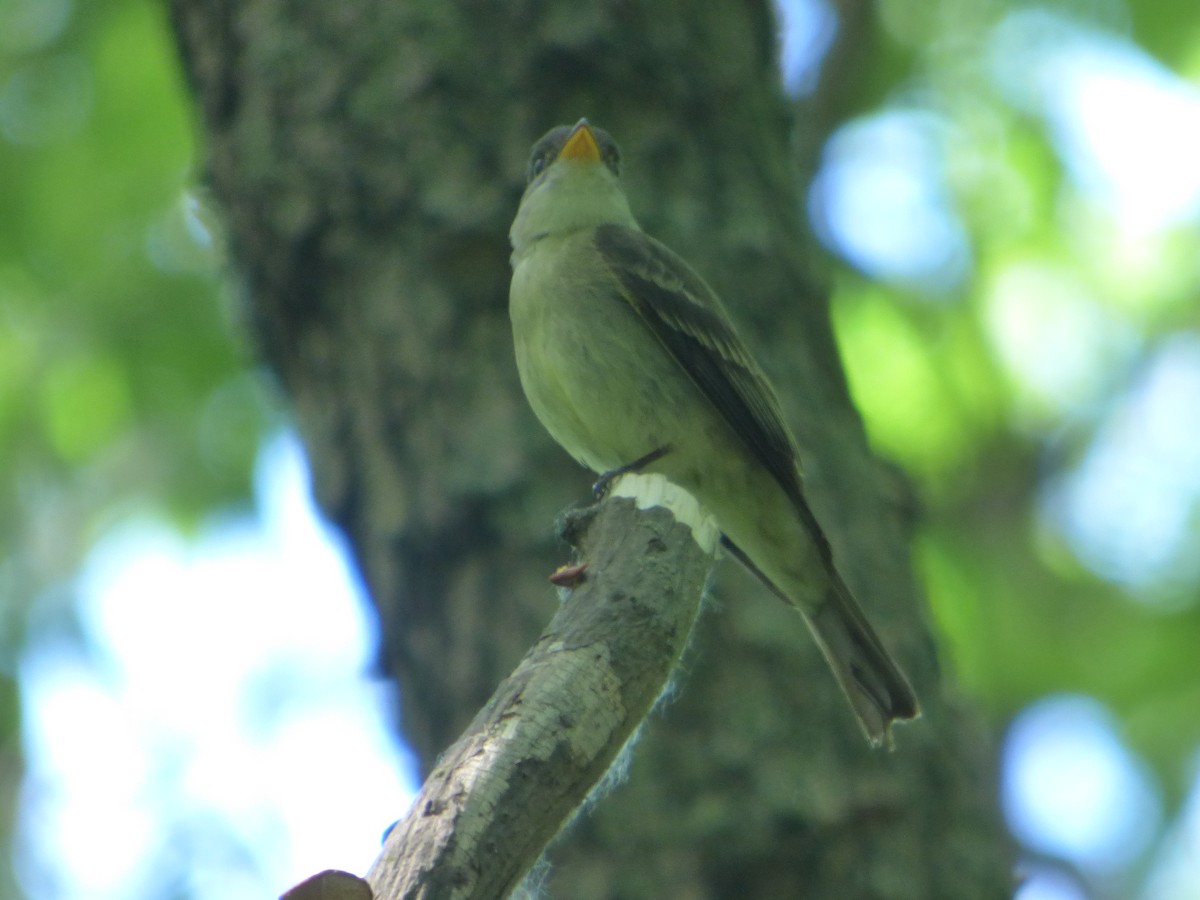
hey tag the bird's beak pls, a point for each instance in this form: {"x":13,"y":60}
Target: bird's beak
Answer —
{"x":581,"y":146}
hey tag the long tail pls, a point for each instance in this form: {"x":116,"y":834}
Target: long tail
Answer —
{"x":878,"y":691}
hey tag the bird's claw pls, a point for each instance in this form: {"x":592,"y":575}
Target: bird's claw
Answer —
{"x":605,"y":482}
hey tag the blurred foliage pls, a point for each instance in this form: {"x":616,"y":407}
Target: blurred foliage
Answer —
{"x":122,"y":384}
{"x":121,"y":380}
{"x":1014,"y":374}
{"x":1042,"y":383}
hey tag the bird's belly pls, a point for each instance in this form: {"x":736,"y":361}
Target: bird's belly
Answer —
{"x":597,"y":392}
{"x":610,"y":396}
{"x":609,"y":393}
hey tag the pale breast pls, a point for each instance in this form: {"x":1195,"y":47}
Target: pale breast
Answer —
{"x":595,"y":376}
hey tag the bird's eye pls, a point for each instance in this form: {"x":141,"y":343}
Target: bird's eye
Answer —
{"x":536,"y":165}
{"x":612,"y":158}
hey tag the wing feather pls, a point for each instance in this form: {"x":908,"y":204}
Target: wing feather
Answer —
{"x":688,"y":319}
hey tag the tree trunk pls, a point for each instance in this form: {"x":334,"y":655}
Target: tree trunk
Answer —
{"x":369,"y":157}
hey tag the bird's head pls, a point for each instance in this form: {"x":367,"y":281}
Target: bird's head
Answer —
{"x":573,"y":182}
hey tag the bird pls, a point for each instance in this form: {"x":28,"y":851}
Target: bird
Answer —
{"x":630,"y":361}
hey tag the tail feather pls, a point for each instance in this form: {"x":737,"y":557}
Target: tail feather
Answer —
{"x":878,"y":691}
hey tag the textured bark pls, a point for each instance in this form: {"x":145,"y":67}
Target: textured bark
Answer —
{"x":552,"y":729}
{"x":369,"y":157}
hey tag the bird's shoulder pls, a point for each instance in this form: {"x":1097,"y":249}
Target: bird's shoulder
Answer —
{"x":684,"y":313}
{"x":637,"y":255}
{"x":675,"y":299}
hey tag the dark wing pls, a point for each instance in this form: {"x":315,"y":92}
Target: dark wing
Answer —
{"x":686,"y":316}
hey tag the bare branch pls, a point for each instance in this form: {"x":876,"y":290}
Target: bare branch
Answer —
{"x":551,"y":730}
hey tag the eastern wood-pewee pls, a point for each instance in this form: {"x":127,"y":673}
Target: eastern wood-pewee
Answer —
{"x":628,"y":357}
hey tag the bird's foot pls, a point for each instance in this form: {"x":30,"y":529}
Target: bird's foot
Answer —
{"x":605,"y":481}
